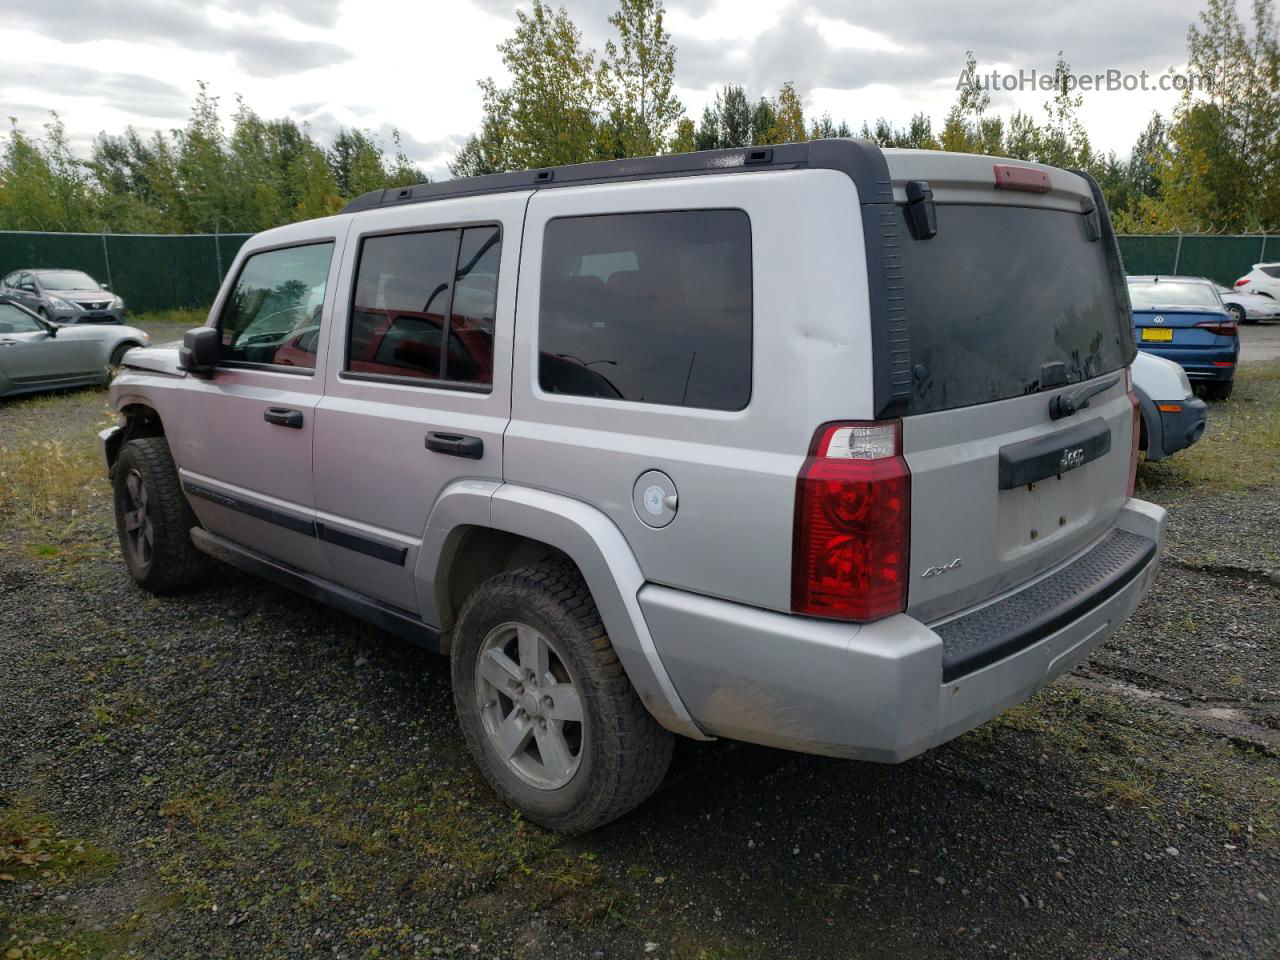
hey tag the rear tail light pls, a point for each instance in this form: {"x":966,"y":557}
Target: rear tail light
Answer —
{"x":852,"y":524}
{"x":1242,"y":281}
{"x":1223,"y":328}
{"x":1137,"y":429}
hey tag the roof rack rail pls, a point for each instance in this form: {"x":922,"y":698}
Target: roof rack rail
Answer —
{"x":861,"y":159}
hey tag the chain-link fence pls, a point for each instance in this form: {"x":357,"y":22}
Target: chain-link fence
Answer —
{"x":150,"y":271}
{"x":162,"y":271}
{"x":1221,"y":258}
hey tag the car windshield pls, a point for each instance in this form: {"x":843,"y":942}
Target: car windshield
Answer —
{"x":66,"y":280}
{"x":1159,"y":294}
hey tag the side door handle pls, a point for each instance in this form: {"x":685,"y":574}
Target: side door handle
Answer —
{"x":456,"y":445}
{"x":283,"y":417}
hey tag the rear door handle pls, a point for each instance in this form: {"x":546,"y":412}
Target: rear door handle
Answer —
{"x":456,"y":445}
{"x":283,"y":417}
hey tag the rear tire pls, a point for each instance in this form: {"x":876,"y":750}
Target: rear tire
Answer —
{"x":153,"y":518}
{"x":564,"y":774}
{"x":1238,"y":314}
{"x":1219,"y":390}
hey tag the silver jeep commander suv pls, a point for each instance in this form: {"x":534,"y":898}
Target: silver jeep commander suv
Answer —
{"x":817,"y":446}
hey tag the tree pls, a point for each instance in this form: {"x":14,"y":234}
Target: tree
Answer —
{"x":1217,"y":165}
{"x":42,"y":184}
{"x":685,"y":139}
{"x":788,"y":122}
{"x":547,"y":116}
{"x":637,"y":78}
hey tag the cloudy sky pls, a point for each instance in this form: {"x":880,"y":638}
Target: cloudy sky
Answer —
{"x":379,"y":64}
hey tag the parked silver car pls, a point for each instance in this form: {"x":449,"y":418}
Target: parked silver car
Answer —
{"x":1249,"y":307}
{"x":782,"y":445}
{"x":63,"y":296}
{"x":38,"y":355}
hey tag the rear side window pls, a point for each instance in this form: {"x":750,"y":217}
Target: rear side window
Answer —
{"x":273,"y":316}
{"x":424,"y":306}
{"x":649,"y":307}
{"x":999,"y":294}
{"x":1271,"y":271}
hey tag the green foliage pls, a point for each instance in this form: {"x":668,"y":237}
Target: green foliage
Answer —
{"x":636,"y":80}
{"x":201,"y":178}
{"x":1215,"y":166}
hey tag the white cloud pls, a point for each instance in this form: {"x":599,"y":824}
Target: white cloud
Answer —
{"x":384,"y":64}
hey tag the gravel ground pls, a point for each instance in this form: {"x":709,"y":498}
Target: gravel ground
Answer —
{"x":1260,"y":342}
{"x":237,"y":772}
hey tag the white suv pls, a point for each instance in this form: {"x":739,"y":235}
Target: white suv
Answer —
{"x":817,"y":446}
{"x":1263,"y":279}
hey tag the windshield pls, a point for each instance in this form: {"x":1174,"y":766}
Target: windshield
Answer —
{"x":1003,"y":297}
{"x":66,"y":280}
{"x":1161,"y":294}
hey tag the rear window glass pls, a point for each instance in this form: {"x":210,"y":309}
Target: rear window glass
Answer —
{"x":650,"y":307}
{"x":1156,"y":294}
{"x":999,"y":293}
{"x":1273,"y":271}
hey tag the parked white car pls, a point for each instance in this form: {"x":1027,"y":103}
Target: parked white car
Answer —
{"x":1249,"y":307}
{"x":1173,"y":416}
{"x":1264,"y":278}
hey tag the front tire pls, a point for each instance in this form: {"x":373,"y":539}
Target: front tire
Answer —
{"x":117,"y":355}
{"x":1238,"y":314}
{"x":153,"y":518}
{"x":545,"y":706}
{"x":1219,"y":390}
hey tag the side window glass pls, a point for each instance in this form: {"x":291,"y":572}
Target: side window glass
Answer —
{"x":470,"y":355}
{"x":424,"y":306}
{"x":13,"y":320}
{"x":648,"y":307}
{"x":273,"y":315}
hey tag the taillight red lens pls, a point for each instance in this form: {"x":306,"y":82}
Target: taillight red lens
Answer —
{"x":852,"y":524}
{"x":1242,"y":281}
{"x":1137,"y":430}
{"x":1223,"y":328}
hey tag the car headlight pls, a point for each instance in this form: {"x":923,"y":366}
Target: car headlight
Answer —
{"x":1186,"y":383}
{"x":146,"y":337}
{"x":60,"y":304}
{"x":117,"y":303}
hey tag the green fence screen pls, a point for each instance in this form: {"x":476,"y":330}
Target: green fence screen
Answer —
{"x":150,"y":271}
{"x":1224,"y":259}
{"x":159,"y":271}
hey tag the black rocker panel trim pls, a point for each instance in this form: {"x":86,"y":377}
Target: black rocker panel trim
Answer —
{"x":308,"y":528}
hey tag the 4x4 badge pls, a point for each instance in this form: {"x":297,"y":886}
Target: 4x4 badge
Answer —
{"x":943,"y":568}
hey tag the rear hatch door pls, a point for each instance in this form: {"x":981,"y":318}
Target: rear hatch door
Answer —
{"x":1019,"y":427}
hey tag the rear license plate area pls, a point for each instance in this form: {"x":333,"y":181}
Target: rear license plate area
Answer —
{"x":1156,"y":334}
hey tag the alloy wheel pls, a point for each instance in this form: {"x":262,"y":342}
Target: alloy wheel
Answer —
{"x":138,"y":528}
{"x":530,"y":706}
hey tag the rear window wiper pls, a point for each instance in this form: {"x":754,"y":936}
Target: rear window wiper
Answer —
{"x":1065,"y":404}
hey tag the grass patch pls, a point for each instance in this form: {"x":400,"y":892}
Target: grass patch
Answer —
{"x":1138,"y":759}
{"x":32,"y":848}
{"x":1241,"y":446}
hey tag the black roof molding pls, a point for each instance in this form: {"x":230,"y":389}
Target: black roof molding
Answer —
{"x":860,"y":159}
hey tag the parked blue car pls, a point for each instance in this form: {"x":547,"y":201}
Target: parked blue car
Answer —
{"x":1183,"y":319}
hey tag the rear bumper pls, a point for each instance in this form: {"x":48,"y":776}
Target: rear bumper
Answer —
{"x":877,"y":691}
{"x":1202,"y":364}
